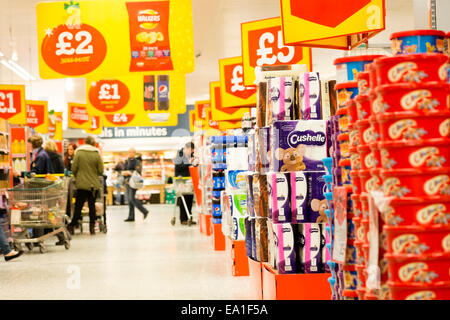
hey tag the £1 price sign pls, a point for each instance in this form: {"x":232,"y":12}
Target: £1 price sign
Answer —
{"x":37,"y":115}
{"x":232,"y":89}
{"x":262,"y":45}
{"x":12,"y":104}
{"x":119,"y":119}
{"x":108,"y":95}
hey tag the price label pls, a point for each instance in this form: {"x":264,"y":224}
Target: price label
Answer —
{"x":263,"y":45}
{"x":200,"y":109}
{"x":15,"y":216}
{"x":109,"y":95}
{"x":37,"y":115}
{"x":12,"y":103}
{"x":73,"y":51}
{"x":119,"y":118}
{"x":78,"y":116}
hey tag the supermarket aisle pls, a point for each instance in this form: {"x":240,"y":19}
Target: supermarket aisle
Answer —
{"x":146,"y":260}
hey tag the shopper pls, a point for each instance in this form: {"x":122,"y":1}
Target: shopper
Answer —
{"x":6,"y":249}
{"x":133,"y":164}
{"x":87,"y":168}
{"x":40,"y":161}
{"x":183,"y":161}
{"x":68,"y":157}
{"x":119,"y":183}
{"x":55,"y":158}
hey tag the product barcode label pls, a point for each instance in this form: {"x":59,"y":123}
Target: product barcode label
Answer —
{"x":15,"y":216}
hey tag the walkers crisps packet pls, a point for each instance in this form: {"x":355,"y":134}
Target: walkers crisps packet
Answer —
{"x":149,"y":36}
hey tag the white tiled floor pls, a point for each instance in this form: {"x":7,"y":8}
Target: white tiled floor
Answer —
{"x":142,"y":260}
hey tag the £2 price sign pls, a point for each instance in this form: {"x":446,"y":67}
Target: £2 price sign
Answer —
{"x":37,"y":115}
{"x":12,"y":104}
{"x":263,"y":45}
{"x":232,"y":89}
{"x":108,"y":95}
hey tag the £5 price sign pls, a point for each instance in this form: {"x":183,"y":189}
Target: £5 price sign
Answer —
{"x":12,"y":104}
{"x":37,"y":115}
{"x":262,"y":45}
{"x":232,"y":89}
{"x":108,"y":95}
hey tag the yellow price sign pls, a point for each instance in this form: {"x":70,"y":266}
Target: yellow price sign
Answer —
{"x":37,"y":115}
{"x":218,"y":113}
{"x":12,"y":104}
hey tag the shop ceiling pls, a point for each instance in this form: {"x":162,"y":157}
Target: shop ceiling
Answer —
{"x":216,"y":35}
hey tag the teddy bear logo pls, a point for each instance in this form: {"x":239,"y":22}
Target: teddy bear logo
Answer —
{"x":292,"y":158}
{"x":320,"y":206}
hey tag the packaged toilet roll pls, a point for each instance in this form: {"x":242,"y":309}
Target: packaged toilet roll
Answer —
{"x":260,"y":195}
{"x":248,"y":236}
{"x":273,"y":245}
{"x":262,"y":241}
{"x":235,"y":180}
{"x":225,"y":204}
{"x":317,"y":203}
{"x":309,"y":95}
{"x":250,"y":201}
{"x":279,"y":197}
{"x":286,"y":263}
{"x":253,"y":226}
{"x":309,"y":247}
{"x":262,"y":149}
{"x":299,"y":197}
{"x":251,"y":152}
{"x":298,"y":145}
{"x":326,"y":254}
{"x":281,"y":94}
{"x":261,"y":105}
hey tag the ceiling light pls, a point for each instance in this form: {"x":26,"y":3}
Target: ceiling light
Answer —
{"x":21,"y":70}
{"x":14,"y":56}
{"x":10,"y":67}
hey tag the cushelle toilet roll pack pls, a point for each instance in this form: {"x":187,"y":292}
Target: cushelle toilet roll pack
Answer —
{"x":287,"y":205}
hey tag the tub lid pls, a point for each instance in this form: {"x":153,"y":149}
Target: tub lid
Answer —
{"x":424,"y":32}
{"x":410,"y":57}
{"x":344,"y":85}
{"x":356,"y":58}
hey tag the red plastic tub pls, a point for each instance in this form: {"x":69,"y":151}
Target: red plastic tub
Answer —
{"x":424,"y":211}
{"x":414,"y":126}
{"x":414,"y":68}
{"x":345,"y":91}
{"x":366,"y":131}
{"x":416,"y":182}
{"x":354,"y":137}
{"x":356,"y":202}
{"x":373,"y":81}
{"x":424,"y":97}
{"x":355,"y":159}
{"x":417,"y":291}
{"x":415,"y":154}
{"x":415,"y":240}
{"x":343,"y":120}
{"x":350,"y":277}
{"x":363,"y":83}
{"x":374,"y":148}
{"x":362,"y":275}
{"x":361,"y":291}
{"x":418,"y":41}
{"x":344,"y":145}
{"x":351,"y":111}
{"x":360,"y":236}
{"x":363,"y":107}
{"x":425,"y":269}
{"x":368,"y":182}
{"x":364,"y":153}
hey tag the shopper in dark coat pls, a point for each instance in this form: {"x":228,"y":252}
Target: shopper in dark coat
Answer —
{"x":133,"y":163}
{"x":55,"y":158}
{"x":183,"y":161}
{"x":40,"y":161}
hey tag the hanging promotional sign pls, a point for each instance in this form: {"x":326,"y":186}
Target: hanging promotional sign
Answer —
{"x":78,"y":116}
{"x":201,"y":107}
{"x":232,"y":89}
{"x":232,"y":124}
{"x":195,"y":124}
{"x":217,"y":112}
{"x":331,"y":24}
{"x":138,"y":100}
{"x":109,"y":38}
{"x":12,"y":104}
{"x":37,"y":115}
{"x":55,"y":125}
{"x":211,"y":126}
{"x":94,"y":125}
{"x":262,"y":45}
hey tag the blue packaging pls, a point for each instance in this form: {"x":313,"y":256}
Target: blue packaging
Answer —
{"x":217,"y":210}
{"x":418,"y":41}
{"x":216,"y":220}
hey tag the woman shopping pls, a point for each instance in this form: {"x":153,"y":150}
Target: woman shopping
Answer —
{"x":133,"y":164}
{"x":69,"y":156}
{"x":6,"y":249}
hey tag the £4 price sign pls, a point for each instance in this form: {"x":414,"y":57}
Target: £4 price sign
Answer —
{"x":262,"y":45}
{"x":108,"y":95}
{"x":73,"y":51}
{"x":119,"y":119}
{"x":12,"y":104}
{"x":233,"y":91}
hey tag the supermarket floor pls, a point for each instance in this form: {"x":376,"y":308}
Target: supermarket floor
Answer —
{"x":142,"y":260}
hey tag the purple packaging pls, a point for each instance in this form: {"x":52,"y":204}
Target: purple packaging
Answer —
{"x":279,"y":197}
{"x":329,"y":140}
{"x":253,"y":240}
{"x":317,"y":204}
{"x":286,"y":248}
{"x":251,"y":147}
{"x":281,"y":94}
{"x":260,"y":195}
{"x":309,"y":249}
{"x":299,"y":196}
{"x":261,"y":239}
{"x":298,"y":145}
{"x":309,"y":95}
{"x":248,"y":236}
{"x":250,"y":207}
{"x":326,"y":255}
{"x":262,"y":149}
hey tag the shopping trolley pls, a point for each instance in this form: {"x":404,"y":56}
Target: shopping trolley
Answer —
{"x":39,"y":203}
{"x":183,"y":186}
{"x":100,"y":206}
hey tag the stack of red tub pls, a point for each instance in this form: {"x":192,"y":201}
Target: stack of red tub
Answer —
{"x":410,"y":146}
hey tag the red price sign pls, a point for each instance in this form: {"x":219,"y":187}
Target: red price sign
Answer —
{"x":12,"y":103}
{"x":119,"y":119}
{"x":200,"y":109}
{"x":262,"y":45}
{"x":37,"y":114}
{"x":234,"y":81}
{"x":109,"y":95}
{"x":73,"y":51}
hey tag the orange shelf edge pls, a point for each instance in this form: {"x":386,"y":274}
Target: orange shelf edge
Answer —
{"x":239,"y":267}
{"x":218,"y":238}
{"x":256,"y":279}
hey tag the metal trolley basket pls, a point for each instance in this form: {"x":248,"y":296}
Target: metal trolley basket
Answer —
{"x":39,"y":204}
{"x":183,"y":186}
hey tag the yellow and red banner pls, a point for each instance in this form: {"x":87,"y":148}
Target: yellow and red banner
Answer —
{"x":12,"y":104}
{"x":37,"y":115}
{"x":95,"y":125}
{"x":55,"y":125}
{"x":232,"y":89}
{"x":78,"y":116}
{"x":334,"y":24}
{"x":262,"y":45}
{"x":108,"y":38}
{"x":201,"y":107}
{"x":218,"y":113}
